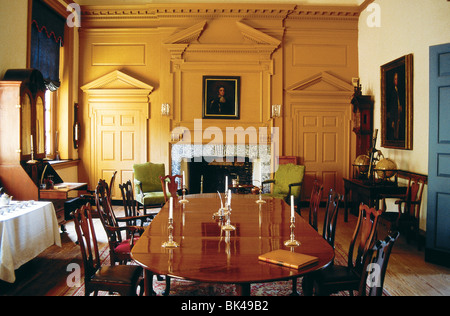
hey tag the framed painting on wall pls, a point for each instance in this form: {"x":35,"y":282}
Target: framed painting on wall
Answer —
{"x":221,"y":97}
{"x":397,"y":103}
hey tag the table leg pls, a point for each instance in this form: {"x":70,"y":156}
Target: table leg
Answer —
{"x":243,"y":289}
{"x":148,"y":283}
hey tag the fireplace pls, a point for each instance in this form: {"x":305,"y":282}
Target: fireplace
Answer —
{"x":206,"y":166}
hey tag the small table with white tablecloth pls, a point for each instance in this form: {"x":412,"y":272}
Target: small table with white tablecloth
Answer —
{"x":25,"y":232}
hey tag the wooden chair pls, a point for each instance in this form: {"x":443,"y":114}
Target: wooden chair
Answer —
{"x":123,"y":279}
{"x":331,"y":214}
{"x":90,"y":196}
{"x":408,"y":216}
{"x":170,"y":186}
{"x":119,"y":247}
{"x":329,"y":231}
{"x":132,"y":215}
{"x":314,"y":204}
{"x":377,"y":258}
{"x":336,"y":278}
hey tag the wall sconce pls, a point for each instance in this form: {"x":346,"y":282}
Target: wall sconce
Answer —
{"x":165,"y":109}
{"x":276,"y":110}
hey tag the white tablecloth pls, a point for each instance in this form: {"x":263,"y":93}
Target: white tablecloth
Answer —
{"x":24,"y":234}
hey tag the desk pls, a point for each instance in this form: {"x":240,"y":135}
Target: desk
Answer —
{"x":24,"y":234}
{"x":59,"y":195}
{"x":367,"y":193}
{"x":208,"y":254}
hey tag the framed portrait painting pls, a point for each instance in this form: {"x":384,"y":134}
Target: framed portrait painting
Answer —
{"x":397,"y":103}
{"x":221,"y":97}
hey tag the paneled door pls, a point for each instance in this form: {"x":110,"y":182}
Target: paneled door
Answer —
{"x":438,"y":220}
{"x":321,"y":140}
{"x":120,"y":137}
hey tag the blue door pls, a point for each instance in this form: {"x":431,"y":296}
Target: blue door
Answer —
{"x":438,"y":216}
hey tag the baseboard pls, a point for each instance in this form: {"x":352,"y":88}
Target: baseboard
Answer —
{"x":436,"y":256}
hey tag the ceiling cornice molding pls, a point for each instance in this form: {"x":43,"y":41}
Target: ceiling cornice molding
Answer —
{"x":228,"y":10}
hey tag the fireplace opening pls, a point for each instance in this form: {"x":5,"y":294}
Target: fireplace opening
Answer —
{"x":208,"y":176}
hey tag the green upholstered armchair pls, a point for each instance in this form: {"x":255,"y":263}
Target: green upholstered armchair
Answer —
{"x":287,"y":181}
{"x":147,"y":185}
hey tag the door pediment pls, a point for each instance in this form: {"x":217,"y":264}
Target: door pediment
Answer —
{"x":117,"y":80}
{"x":322,"y":83}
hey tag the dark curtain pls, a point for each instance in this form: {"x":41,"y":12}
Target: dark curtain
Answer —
{"x":47,"y":36}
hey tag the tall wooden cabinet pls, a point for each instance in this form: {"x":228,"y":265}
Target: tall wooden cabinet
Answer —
{"x":22,"y":136}
{"x":362,"y":121}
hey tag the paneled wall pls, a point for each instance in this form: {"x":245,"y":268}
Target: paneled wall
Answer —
{"x":301,"y":57}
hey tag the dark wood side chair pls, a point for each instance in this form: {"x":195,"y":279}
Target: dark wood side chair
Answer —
{"x":408,"y":216}
{"x":122,"y":279}
{"x":132,"y":215}
{"x":331,"y":213}
{"x":170,"y":186}
{"x":336,"y":278}
{"x":329,"y":230}
{"x":314,"y":204}
{"x":119,"y":246}
{"x":376,"y":262}
{"x":90,"y":196}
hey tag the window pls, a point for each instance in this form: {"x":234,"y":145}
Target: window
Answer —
{"x":49,"y":102}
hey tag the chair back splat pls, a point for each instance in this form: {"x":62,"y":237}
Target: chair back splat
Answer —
{"x":314,"y":204}
{"x":331,"y":214}
{"x":171,"y":187}
{"x":365,"y":230}
{"x":376,"y":262}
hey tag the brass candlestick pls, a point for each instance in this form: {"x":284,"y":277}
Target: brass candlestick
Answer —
{"x":184,"y":201}
{"x":260,"y":200}
{"x":228,"y":226}
{"x":292,"y":242}
{"x":170,"y":244}
{"x":32,"y":161}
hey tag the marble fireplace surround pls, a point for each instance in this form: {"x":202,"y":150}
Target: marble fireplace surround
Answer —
{"x":258,"y":155}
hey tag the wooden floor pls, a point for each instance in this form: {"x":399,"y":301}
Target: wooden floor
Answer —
{"x":408,"y":274}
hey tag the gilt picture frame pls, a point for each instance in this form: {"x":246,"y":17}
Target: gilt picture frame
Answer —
{"x":397,"y":103}
{"x":221,"y":97}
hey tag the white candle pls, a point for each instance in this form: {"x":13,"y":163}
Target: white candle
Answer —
{"x":292,"y":207}
{"x":171,"y":208}
{"x":226,"y":183}
{"x":229,"y":198}
{"x":31,"y":137}
{"x":184,"y":180}
{"x":260,"y":173}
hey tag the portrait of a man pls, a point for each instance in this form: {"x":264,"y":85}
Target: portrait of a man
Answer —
{"x":396,"y":107}
{"x":221,"y":97}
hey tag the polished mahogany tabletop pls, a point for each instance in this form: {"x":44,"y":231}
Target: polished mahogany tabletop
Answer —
{"x":209,"y":254}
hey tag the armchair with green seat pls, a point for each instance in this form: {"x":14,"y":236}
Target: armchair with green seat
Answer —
{"x":287,"y":181}
{"x":147,"y":185}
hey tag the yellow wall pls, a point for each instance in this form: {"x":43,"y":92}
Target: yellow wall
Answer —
{"x":13,"y":34}
{"x":271,"y":47}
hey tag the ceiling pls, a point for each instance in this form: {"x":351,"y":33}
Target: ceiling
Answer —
{"x":300,"y":2}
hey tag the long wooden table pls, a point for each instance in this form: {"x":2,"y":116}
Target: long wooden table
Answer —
{"x":209,"y":254}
